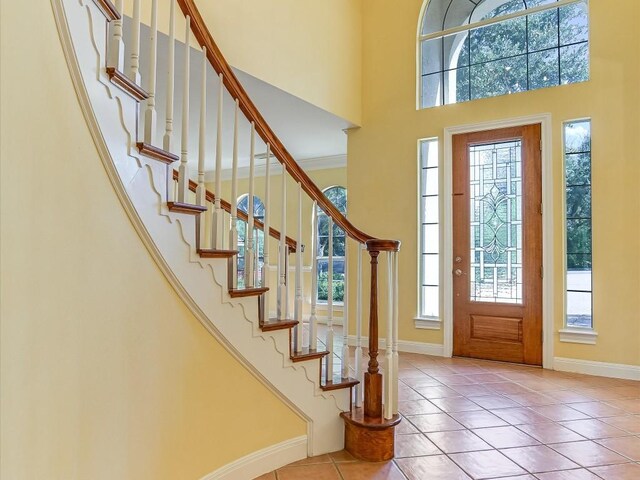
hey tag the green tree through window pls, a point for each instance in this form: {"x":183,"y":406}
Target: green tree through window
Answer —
{"x":338,"y":197}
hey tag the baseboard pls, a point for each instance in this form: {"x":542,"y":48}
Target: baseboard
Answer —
{"x":263,"y":461}
{"x":433,"y":349}
{"x":600,"y":369}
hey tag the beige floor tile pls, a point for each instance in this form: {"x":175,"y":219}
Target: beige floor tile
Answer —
{"x":312,"y":460}
{"x":267,"y":476}
{"x":628,"y":423}
{"x":472,"y":390}
{"x":417,"y":407}
{"x":532,"y":399}
{"x":538,"y":459}
{"x":320,"y":471}
{"x":550,"y":433}
{"x":629,"y":405}
{"x":458,"y":441}
{"x":478,"y":419}
{"x":370,"y":471}
{"x":505,"y":437}
{"x":593,"y":429}
{"x":491,"y":402}
{"x":627,"y":446}
{"x":455,"y":404}
{"x":434,"y":467}
{"x":629,"y":471}
{"x":569,"y":396}
{"x":597,"y":409}
{"x":342,"y":456}
{"x":580,"y":474}
{"x":405,"y":427}
{"x":430,"y":392}
{"x":588,"y":453}
{"x":414,"y":446}
{"x":520,"y":416}
{"x":482,"y":465}
{"x":559,"y":413}
{"x":438,"y":422}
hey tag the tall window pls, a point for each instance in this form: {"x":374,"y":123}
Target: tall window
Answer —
{"x":338,"y":197}
{"x":472,"y":49}
{"x":258,"y":236}
{"x":577,"y":169}
{"x":429,"y":294}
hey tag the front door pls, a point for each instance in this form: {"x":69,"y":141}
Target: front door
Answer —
{"x":497,"y":245}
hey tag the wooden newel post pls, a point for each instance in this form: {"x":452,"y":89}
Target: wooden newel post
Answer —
{"x":372,"y":377}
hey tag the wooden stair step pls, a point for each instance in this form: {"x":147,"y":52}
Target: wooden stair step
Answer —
{"x":186,"y":208}
{"x":338,"y":383}
{"x":126,"y":84}
{"x":108,"y":9}
{"x":275,"y":324}
{"x":247,"y":292}
{"x":156,"y":153}
{"x":307,"y":354}
{"x":214,"y":253}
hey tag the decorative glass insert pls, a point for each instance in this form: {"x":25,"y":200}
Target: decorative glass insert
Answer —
{"x":429,"y":301}
{"x":338,"y":197}
{"x":577,"y":171}
{"x":495,"y":178}
{"x":470,"y":51}
{"x":258,"y":236}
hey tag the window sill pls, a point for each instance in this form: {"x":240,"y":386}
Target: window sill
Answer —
{"x":326,"y":305}
{"x":585,"y":336}
{"x":427,"y":323}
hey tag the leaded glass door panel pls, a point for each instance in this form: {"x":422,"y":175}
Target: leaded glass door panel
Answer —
{"x":497,"y":245}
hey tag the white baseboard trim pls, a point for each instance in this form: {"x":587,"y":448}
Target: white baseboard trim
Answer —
{"x":263,"y":461}
{"x":600,"y":369}
{"x":433,"y":349}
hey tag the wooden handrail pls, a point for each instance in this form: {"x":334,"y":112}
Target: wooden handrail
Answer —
{"x":237,"y":91}
{"x":226,"y":206}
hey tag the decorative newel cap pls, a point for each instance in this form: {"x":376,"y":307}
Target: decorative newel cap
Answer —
{"x":379,"y":245}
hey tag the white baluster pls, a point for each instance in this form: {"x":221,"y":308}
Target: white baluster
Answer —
{"x":150,"y":112}
{"x":267,"y":225}
{"x":183,"y":171}
{"x":329,"y":342}
{"x":388,"y":353}
{"x":394,"y":369}
{"x":345,"y":311}
{"x":217,"y":212}
{"x":359,"y":359}
{"x":313,"y":320}
{"x":201,"y":190}
{"x":282,"y":285}
{"x":116,"y":45}
{"x":249,"y":250}
{"x":298,"y":299}
{"x":134,"y":69}
{"x":166,"y":141}
{"x":233,"y":230}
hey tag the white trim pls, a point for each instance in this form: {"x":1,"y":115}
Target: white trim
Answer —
{"x":547,"y":226}
{"x":600,"y":369}
{"x":425,"y":323}
{"x":263,"y":461}
{"x":308,"y":165}
{"x":433,"y":349}
{"x":586,"y":336}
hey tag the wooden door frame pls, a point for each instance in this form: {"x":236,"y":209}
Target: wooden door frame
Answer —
{"x":547,"y":227}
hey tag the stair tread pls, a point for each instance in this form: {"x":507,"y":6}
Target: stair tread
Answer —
{"x":339,"y":382}
{"x":247,"y":292}
{"x":216,"y":253}
{"x":190,"y":208}
{"x":108,"y":9}
{"x":307,"y":354}
{"x":126,"y":84}
{"x":156,"y":153}
{"x":275,"y":324}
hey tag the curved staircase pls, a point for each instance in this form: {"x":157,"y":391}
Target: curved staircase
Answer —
{"x":191,"y":232}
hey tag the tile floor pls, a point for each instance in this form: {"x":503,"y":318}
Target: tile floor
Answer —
{"x":475,"y":419}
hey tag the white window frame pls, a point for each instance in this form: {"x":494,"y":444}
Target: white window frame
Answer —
{"x":319,"y":212}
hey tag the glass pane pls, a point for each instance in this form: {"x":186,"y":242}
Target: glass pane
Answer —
{"x":543,"y":30}
{"x":430,"y":270}
{"x":578,"y":240}
{"x":579,"y":309}
{"x":456,"y":50}
{"x":457,"y":13}
{"x":431,"y":92}
{"x":578,"y":169}
{"x":578,"y":202}
{"x":430,"y":209}
{"x":499,"y":78}
{"x":456,"y":85}
{"x":496,"y":222}
{"x":574,"y":63}
{"x":430,"y":302}
{"x":432,"y":56}
{"x":544,"y":69}
{"x":579,"y":280}
{"x":537,"y":3}
{"x":574,"y":23}
{"x":430,"y":181}
{"x":500,"y":40}
{"x":577,"y":137}
{"x":430,"y":239}
{"x":504,"y":8}
{"x":429,"y":153}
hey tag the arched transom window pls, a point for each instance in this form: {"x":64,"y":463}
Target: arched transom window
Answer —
{"x":471,"y":49}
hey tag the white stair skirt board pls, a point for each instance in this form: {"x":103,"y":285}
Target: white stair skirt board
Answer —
{"x":140,"y":184}
{"x":263,"y":461}
{"x":433,"y":349}
{"x":600,"y":369}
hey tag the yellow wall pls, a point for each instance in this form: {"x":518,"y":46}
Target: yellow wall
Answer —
{"x":105,"y":373}
{"x":382,"y":165}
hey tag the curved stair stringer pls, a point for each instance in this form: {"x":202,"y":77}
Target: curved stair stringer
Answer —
{"x":140,"y":185}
